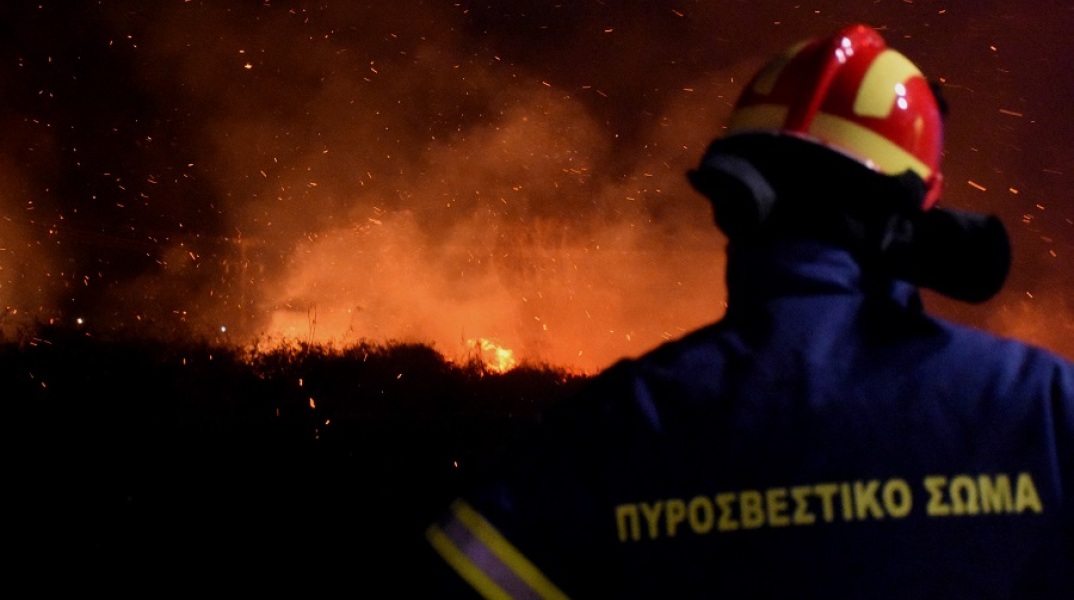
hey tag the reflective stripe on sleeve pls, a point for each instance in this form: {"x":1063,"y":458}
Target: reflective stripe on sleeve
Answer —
{"x":485,"y":559}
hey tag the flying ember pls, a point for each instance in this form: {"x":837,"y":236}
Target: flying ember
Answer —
{"x":297,"y":183}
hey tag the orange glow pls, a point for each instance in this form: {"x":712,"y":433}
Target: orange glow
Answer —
{"x":263,"y":180}
{"x":496,"y":358}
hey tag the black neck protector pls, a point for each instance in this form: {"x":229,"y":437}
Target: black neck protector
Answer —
{"x":776,"y":186}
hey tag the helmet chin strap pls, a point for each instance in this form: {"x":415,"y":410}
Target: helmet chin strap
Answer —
{"x":764,"y":186}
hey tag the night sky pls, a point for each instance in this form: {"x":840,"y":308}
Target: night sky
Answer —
{"x":449,"y":172}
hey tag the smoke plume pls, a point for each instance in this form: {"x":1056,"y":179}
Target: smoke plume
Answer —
{"x":443,"y":173}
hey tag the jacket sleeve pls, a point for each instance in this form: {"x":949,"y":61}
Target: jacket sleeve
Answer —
{"x":528,"y":525}
{"x":482,"y":557}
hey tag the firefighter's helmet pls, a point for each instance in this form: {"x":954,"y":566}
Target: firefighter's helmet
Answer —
{"x":854,"y":94}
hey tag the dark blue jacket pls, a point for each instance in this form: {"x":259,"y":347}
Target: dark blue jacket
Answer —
{"x":826,"y":438}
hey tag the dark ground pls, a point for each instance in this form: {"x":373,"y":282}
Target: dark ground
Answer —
{"x":144,"y":467}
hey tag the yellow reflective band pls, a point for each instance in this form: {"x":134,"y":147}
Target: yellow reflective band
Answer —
{"x":860,"y":142}
{"x":491,"y":539}
{"x":763,"y":117}
{"x":767,"y":78}
{"x":878,"y":89}
{"x":867,"y":145}
{"x":464,"y":566}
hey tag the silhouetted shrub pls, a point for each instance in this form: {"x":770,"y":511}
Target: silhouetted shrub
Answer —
{"x":132,"y":448}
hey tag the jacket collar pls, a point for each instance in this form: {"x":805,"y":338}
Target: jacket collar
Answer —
{"x":762,"y":271}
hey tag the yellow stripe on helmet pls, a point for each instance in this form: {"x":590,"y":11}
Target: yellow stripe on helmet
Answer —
{"x":876,"y":150}
{"x":862,"y":143}
{"x":766,"y":80}
{"x":879,"y":88}
{"x":759,"y":117}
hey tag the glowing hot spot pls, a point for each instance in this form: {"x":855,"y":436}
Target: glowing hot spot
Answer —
{"x":495,"y":357}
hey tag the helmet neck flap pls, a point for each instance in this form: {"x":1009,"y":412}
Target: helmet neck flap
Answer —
{"x":771,"y":186}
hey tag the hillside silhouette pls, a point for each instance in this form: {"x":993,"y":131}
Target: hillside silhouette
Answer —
{"x":194,"y":460}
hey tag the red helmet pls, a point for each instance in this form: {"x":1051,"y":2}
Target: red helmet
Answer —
{"x":852,"y":93}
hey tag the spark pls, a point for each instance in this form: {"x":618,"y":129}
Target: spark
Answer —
{"x":976,"y":185}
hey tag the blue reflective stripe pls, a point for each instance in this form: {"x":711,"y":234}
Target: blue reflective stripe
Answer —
{"x":485,"y":559}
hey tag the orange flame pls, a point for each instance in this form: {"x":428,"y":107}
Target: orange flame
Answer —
{"x":495,"y":357}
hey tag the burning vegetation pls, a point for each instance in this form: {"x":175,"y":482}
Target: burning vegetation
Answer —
{"x":267,"y":175}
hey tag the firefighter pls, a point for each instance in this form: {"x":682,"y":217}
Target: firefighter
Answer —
{"x":827,"y":437}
